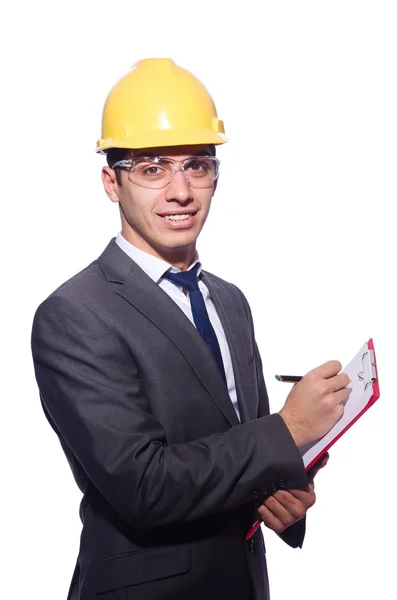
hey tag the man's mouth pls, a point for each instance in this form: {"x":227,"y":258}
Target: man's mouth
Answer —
{"x":178,"y":217}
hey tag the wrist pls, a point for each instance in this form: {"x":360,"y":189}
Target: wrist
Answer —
{"x":295,"y":430}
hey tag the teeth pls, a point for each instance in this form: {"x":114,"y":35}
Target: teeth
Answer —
{"x":177,"y":217}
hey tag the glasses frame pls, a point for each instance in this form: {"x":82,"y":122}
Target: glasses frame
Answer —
{"x":129,"y":163}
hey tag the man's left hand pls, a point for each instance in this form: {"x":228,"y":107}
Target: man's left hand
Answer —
{"x":286,"y":507}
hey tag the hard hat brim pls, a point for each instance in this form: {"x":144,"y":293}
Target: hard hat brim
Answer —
{"x":160,"y":139}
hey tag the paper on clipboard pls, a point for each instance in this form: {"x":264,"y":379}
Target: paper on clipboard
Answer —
{"x":364,"y":387}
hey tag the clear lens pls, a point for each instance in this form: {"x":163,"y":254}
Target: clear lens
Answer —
{"x":201,"y":171}
{"x":150,"y":174}
{"x":157,"y":172}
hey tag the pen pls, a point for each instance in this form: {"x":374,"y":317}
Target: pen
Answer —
{"x":288,"y":378}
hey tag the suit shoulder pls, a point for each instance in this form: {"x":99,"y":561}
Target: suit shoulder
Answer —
{"x":78,"y":288}
{"x":81,"y":281}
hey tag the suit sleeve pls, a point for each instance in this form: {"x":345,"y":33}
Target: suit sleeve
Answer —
{"x":295,"y":534}
{"x":99,"y":409}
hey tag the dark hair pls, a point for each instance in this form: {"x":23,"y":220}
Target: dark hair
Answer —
{"x":113,"y":155}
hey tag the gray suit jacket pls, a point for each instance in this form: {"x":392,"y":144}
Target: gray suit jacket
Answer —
{"x":169,"y":476}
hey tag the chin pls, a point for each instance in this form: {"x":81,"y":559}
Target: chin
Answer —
{"x":175,"y":242}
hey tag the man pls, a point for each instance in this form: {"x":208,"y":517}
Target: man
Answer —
{"x":149,"y":373}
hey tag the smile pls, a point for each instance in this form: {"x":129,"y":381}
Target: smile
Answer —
{"x":180,"y":220}
{"x":178,"y":217}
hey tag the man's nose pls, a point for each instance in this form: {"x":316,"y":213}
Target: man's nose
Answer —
{"x":179,"y":189}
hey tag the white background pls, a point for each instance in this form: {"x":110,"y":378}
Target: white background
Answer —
{"x":303,"y":222}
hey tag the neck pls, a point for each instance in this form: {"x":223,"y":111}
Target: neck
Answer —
{"x":181,"y":258}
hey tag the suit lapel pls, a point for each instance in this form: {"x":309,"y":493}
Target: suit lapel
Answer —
{"x":150,"y":300}
{"x":234,"y":333}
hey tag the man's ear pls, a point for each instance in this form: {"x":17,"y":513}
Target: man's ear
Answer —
{"x":110,"y":184}
{"x":216,"y":183}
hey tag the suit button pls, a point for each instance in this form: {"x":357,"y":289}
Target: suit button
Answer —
{"x":251,"y":546}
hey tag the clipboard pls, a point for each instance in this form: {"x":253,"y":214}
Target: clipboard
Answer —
{"x":364,"y":386}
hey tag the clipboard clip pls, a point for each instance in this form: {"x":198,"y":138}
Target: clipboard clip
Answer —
{"x":368,"y":375}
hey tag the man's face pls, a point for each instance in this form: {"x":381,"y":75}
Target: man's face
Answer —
{"x":162,"y":221}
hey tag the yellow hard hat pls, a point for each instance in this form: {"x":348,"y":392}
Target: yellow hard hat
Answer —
{"x":159,"y":104}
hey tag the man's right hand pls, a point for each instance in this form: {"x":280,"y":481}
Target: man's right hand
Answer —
{"x":316,"y":403}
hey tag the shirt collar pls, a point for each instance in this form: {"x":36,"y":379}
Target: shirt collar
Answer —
{"x":153,"y":266}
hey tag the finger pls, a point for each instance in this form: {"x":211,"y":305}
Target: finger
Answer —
{"x":327,"y":370}
{"x":286,"y":507}
{"x":313,"y":472}
{"x":320,"y":464}
{"x":338,"y":382}
{"x":270,"y":520}
{"x":342,"y":396}
{"x":324,"y":459}
{"x":305,"y":496}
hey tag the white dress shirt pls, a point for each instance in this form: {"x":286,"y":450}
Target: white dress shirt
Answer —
{"x":155,"y":268}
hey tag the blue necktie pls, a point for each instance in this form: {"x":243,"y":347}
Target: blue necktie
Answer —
{"x":188,"y":280}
